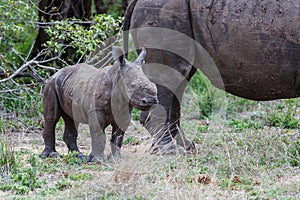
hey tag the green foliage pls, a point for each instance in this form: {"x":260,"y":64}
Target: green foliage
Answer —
{"x":197,"y":164}
{"x":245,"y":114}
{"x":72,"y":159}
{"x":47,"y":190}
{"x":25,"y":99}
{"x":238,"y":183}
{"x":1,"y":123}
{"x":246,"y":123}
{"x":63,"y":184}
{"x":17,"y":30}
{"x":26,"y":180}
{"x":80,"y":176}
{"x":24,"y":106}
{"x":203,"y":128}
{"x":135,"y":114}
{"x":131,"y":140}
{"x":238,"y":105}
{"x":291,"y":149}
{"x":84,"y":39}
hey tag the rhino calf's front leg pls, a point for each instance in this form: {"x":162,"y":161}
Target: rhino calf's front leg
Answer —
{"x":97,"y":125}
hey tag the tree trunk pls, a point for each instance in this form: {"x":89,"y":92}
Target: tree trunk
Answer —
{"x":124,"y":5}
{"x":100,"y":7}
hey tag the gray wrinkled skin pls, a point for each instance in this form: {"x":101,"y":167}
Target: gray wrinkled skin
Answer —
{"x":254,"y":47}
{"x":98,"y":97}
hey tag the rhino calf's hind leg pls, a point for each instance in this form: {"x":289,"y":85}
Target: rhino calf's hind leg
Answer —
{"x":49,"y":139}
{"x":52,"y":113}
{"x":71,"y":134}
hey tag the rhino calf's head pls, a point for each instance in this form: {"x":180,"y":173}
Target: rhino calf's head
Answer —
{"x":139,"y":90}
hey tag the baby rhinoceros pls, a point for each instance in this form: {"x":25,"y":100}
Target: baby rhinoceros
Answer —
{"x":98,"y":97}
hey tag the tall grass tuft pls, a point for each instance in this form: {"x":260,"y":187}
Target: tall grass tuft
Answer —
{"x":8,"y":159}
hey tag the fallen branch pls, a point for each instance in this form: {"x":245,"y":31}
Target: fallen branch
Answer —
{"x":18,"y":71}
{"x":29,"y":65}
{"x":20,"y":75}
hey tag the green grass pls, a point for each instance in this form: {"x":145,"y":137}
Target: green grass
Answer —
{"x":22,"y":179}
{"x":202,"y":87}
{"x":131,"y":140}
{"x":135,"y":114}
{"x":242,"y":113}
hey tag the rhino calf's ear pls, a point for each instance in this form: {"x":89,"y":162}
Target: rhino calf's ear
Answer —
{"x":141,"y":58}
{"x":118,"y":55}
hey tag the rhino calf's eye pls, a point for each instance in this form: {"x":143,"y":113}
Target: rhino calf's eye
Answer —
{"x":133,"y":85}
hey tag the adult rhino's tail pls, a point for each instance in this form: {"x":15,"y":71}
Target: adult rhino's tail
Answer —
{"x":126,"y":25}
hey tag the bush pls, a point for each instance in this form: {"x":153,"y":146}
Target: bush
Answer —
{"x":18,"y":31}
{"x":83,"y":39}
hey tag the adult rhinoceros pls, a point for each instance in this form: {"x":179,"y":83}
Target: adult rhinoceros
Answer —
{"x":248,"y":48}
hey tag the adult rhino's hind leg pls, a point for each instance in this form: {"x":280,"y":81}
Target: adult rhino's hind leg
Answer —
{"x":71,"y":134}
{"x":170,"y":54}
{"x":159,"y":125}
{"x":52,"y":113}
{"x":116,"y":142}
{"x":176,"y":130}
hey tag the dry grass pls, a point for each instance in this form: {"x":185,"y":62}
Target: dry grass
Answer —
{"x":230,"y":163}
{"x":249,"y":165}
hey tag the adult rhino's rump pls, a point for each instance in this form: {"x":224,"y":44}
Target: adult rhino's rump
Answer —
{"x":255,"y":45}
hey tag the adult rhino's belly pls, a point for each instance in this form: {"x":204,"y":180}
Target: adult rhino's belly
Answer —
{"x":261,"y":70}
{"x":255,"y":46}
